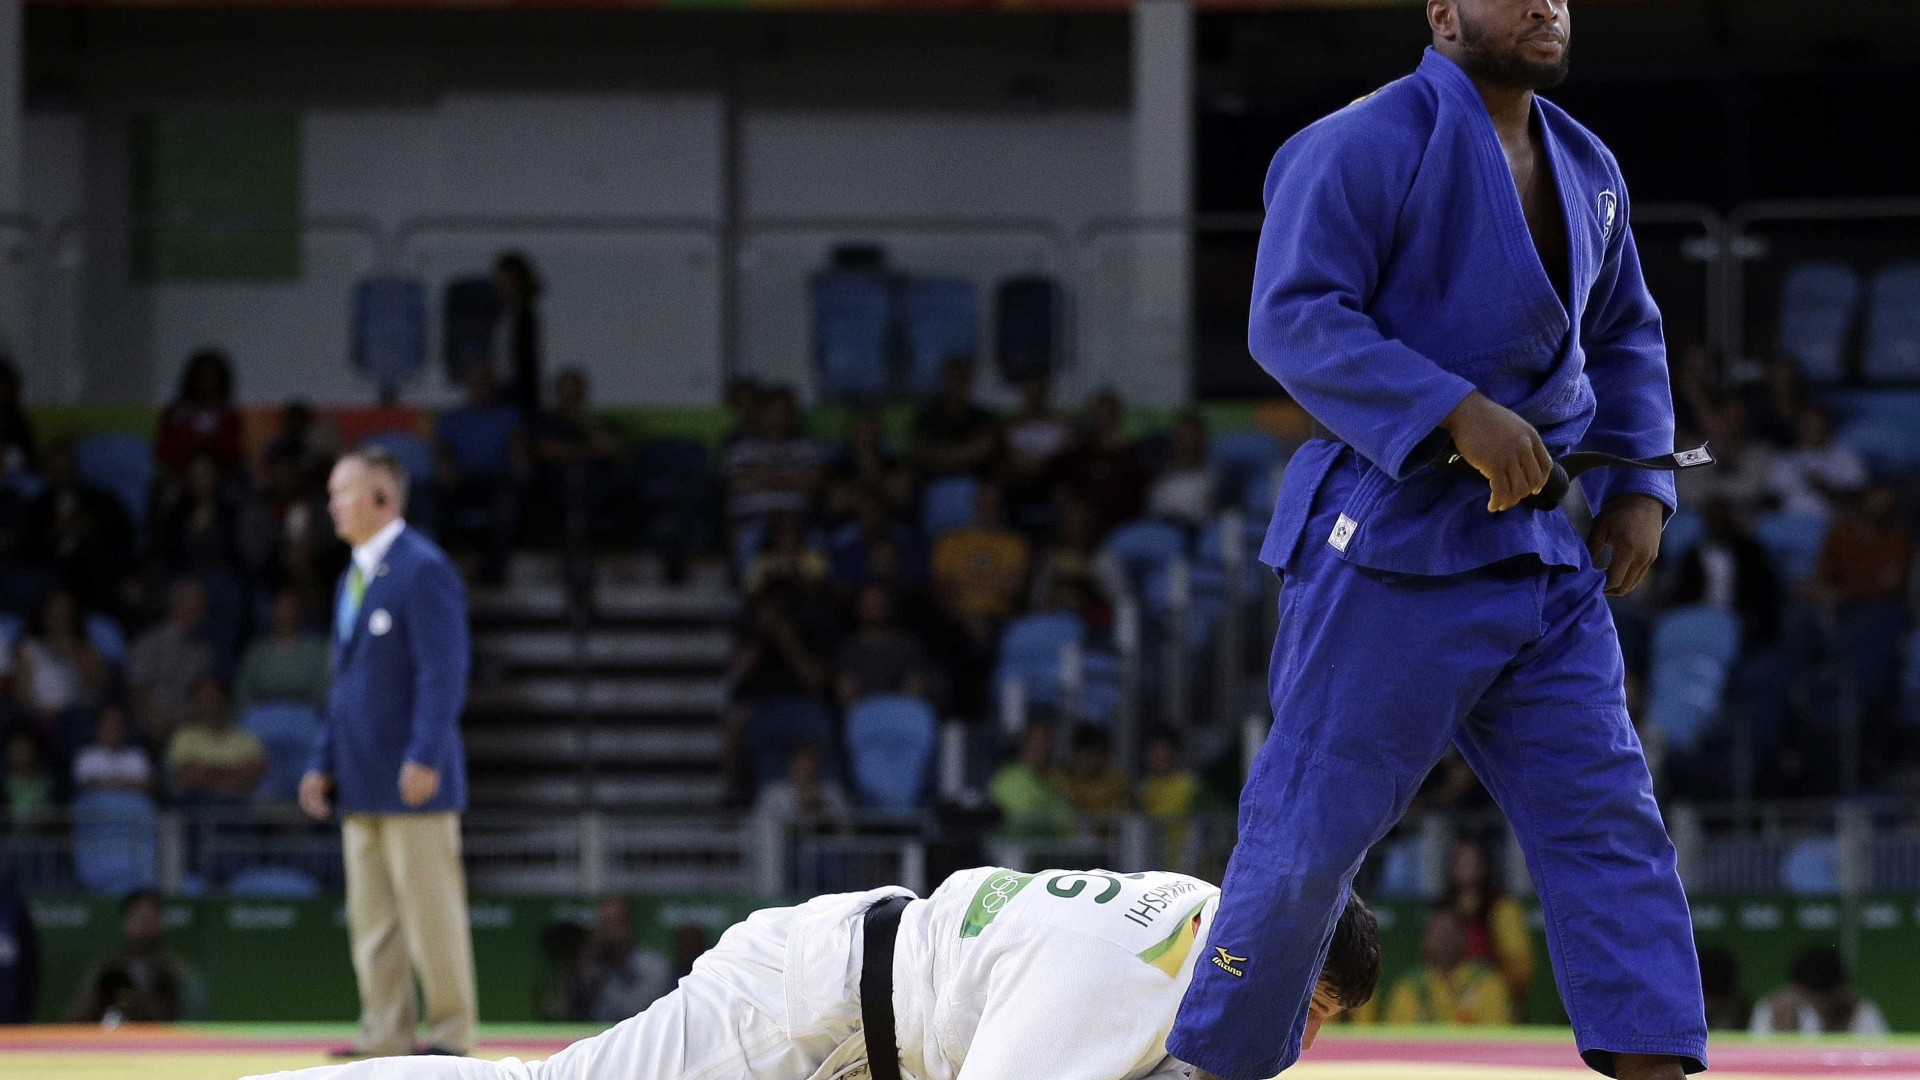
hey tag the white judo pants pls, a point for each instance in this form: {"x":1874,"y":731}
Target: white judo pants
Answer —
{"x":773,"y":999}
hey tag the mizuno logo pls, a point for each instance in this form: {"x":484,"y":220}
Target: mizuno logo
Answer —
{"x":1225,"y":960}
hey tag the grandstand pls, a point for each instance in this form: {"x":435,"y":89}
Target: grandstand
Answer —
{"x":844,"y":423}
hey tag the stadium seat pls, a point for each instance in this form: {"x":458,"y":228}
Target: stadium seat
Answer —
{"x":1883,"y":424}
{"x":390,"y":329}
{"x":1257,"y":499}
{"x":1818,"y":302}
{"x":115,"y":843}
{"x":273,"y":882}
{"x":1891,"y":351}
{"x":890,"y":743}
{"x":1694,"y":647}
{"x":1243,"y":458}
{"x":107,"y":638}
{"x":1793,"y":541}
{"x":1142,"y":546}
{"x":1210,"y":549}
{"x":852,"y":332}
{"x":10,"y":627}
{"x":947,"y":504}
{"x":1811,"y":867}
{"x":777,"y":725}
{"x":412,"y":450}
{"x":1030,"y":655}
{"x":1681,"y":535}
{"x":1026,"y":327}
{"x":942,"y":321}
{"x":286,"y":731}
{"x":119,"y":463}
{"x":1206,"y":599}
{"x":470,"y":315}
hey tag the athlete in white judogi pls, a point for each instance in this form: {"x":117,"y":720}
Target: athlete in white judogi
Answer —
{"x":999,"y":975}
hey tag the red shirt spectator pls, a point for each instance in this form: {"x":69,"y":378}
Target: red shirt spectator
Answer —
{"x":202,"y":419}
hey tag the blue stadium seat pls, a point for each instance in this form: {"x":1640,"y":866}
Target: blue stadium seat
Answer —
{"x":1693,"y":650}
{"x":1142,"y":546}
{"x":1818,"y":302}
{"x":470,"y":315}
{"x":273,"y":882}
{"x":1030,"y":654}
{"x":1243,"y":458}
{"x":286,"y":731}
{"x":777,"y":725}
{"x":1211,"y":547}
{"x":943,"y":320}
{"x":1811,"y":867}
{"x":412,"y":450}
{"x":1206,"y":599}
{"x":890,"y":741}
{"x":1892,"y":348}
{"x":1257,"y":499}
{"x":119,"y":463}
{"x":947,"y":504}
{"x":10,"y":628}
{"x":852,"y":332}
{"x":1681,"y":535}
{"x":390,"y":328}
{"x":107,"y":638}
{"x":115,"y":841}
{"x":1793,"y":541}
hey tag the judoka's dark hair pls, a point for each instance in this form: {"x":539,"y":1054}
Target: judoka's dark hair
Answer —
{"x":1352,"y":970}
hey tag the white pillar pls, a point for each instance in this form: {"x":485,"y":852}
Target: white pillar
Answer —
{"x":1154,"y":366}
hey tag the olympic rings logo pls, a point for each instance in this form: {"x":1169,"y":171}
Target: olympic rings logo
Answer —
{"x":1000,"y":889}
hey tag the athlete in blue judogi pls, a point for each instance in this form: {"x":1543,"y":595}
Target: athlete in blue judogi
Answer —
{"x":1450,"y":259}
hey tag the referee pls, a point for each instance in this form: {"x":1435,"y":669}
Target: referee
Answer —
{"x":389,"y":755}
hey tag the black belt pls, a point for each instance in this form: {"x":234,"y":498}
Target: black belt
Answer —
{"x":876,"y":987}
{"x":1565,"y":467}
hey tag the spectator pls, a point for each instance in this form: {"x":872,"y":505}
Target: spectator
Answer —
{"x":1036,"y":438}
{"x":1450,"y":987}
{"x":214,"y":763}
{"x":29,"y":783}
{"x":1105,"y":471}
{"x":1184,"y":493}
{"x":879,"y":657}
{"x":951,"y":434}
{"x":854,"y":542}
{"x":980,"y":569}
{"x":1818,"y":1001}
{"x":865,"y":467}
{"x":201,"y":419}
{"x":1168,"y":794}
{"x":289,"y":663}
{"x":1742,"y":472}
{"x":1860,"y":581}
{"x":786,"y":559}
{"x":1728,"y":1008}
{"x":19,"y":955}
{"x":1774,"y":403}
{"x":1092,"y":784}
{"x":281,"y":530}
{"x":570,"y":437}
{"x":616,"y":978}
{"x":480,"y":459}
{"x":1730,"y":569}
{"x":196,"y":520}
{"x":306,"y":440}
{"x":689,"y":942}
{"x":742,"y":398}
{"x":804,"y":799}
{"x":1496,"y":927}
{"x":1697,"y":385}
{"x":141,"y":982}
{"x":56,"y":670}
{"x":774,"y":469}
{"x":1030,"y":803}
{"x":517,"y":347}
{"x":1809,"y":476}
{"x":110,"y":763}
{"x":19,"y":451}
{"x":1073,"y":574}
{"x":84,"y":533}
{"x":167,"y":660}
{"x":777,"y":651}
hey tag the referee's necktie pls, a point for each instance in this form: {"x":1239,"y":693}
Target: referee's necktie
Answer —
{"x":350,"y":603}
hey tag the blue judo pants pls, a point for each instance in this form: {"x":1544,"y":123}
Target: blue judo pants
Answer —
{"x":1373,"y":675}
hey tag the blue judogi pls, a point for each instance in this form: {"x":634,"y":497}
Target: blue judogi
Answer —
{"x":1396,"y":273}
{"x":399,"y":682}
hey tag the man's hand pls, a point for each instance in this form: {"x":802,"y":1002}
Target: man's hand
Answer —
{"x":1630,"y":524}
{"x":1504,"y":448}
{"x":418,"y":783}
{"x":316,"y":795}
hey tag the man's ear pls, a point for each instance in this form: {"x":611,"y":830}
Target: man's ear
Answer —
{"x":1443,"y":18}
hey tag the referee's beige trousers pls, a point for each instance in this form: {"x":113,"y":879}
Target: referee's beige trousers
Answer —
{"x":407,"y":913}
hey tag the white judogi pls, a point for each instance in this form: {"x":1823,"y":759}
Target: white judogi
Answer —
{"x":999,"y":975}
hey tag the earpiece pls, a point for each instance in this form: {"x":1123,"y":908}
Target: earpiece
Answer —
{"x":380,"y":499}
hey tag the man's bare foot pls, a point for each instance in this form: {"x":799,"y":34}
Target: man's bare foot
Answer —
{"x":1647,"y":1067}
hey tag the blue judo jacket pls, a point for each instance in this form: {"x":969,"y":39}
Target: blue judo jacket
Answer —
{"x":1396,"y":274}
{"x":399,"y":684}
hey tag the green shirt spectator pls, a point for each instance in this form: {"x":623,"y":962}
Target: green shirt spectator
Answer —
{"x":1030,"y":803}
{"x":288,"y":664}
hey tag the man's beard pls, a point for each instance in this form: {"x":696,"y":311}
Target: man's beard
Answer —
{"x":1509,"y":68}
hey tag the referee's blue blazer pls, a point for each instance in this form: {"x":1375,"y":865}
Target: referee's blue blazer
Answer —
{"x":399,"y":684}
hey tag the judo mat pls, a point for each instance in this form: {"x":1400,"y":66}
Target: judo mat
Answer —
{"x":225,"y":1052}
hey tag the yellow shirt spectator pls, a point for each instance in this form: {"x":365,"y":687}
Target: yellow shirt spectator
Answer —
{"x":1471,"y":993}
{"x":982,"y":570}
